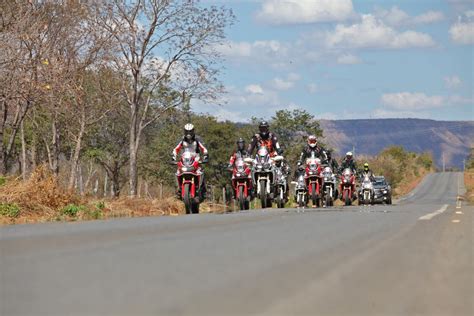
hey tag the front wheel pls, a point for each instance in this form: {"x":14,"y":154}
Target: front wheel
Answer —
{"x":187,"y":199}
{"x":242,"y":198}
{"x":314,"y":196}
{"x":263,"y":193}
{"x":300,"y":200}
{"x":328,"y":200}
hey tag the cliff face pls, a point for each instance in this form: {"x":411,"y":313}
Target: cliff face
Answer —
{"x":453,"y":139}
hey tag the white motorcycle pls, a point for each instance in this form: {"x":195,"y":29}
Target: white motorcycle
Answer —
{"x":329,"y":186}
{"x":366,"y":193}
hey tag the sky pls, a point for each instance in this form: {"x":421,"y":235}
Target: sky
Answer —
{"x":343,"y":59}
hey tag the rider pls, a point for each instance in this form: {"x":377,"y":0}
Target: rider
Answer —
{"x":265,"y":138}
{"x":367,"y":172}
{"x":241,"y":152}
{"x":193,"y":142}
{"x":332,"y":162}
{"x":312,"y":147}
{"x":348,"y":162}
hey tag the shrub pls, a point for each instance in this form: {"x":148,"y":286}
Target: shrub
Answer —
{"x":100,"y":205}
{"x":72,"y":210}
{"x":3,"y":180}
{"x":9,"y":209}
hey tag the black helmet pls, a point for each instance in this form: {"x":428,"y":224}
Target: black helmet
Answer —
{"x":263,"y":127}
{"x":240,"y":144}
{"x":189,"y":132}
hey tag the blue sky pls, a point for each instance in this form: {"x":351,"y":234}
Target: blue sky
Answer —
{"x":343,"y":59}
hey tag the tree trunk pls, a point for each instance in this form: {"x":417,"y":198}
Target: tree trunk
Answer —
{"x":33,"y":153}
{"x":55,"y":151}
{"x":105,"y":183}
{"x":77,"y":152}
{"x":23,"y":152}
{"x":3,"y":164}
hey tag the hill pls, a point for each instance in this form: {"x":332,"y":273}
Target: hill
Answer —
{"x":451,"y":138}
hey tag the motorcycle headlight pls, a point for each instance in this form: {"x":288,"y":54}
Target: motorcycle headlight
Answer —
{"x":326,"y":179}
{"x":184,"y":169}
{"x":240,"y":168}
{"x":385,"y":191}
{"x":259,"y":167}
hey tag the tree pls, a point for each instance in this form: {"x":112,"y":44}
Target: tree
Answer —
{"x":162,"y":45}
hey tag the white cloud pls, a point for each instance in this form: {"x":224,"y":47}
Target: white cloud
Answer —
{"x":372,"y":32}
{"x":304,"y":11}
{"x":452,"y":82}
{"x":282,"y":85}
{"x":411,"y":101}
{"x":254,"y":88}
{"x":397,"y":17}
{"x":348,"y":59}
{"x":415,"y":101}
{"x":462,"y":32}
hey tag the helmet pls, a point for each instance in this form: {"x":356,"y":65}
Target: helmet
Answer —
{"x":366,"y":167}
{"x":263,"y":127}
{"x":349,"y":155}
{"x":312,"y":141}
{"x":189,"y":132}
{"x":240,"y":144}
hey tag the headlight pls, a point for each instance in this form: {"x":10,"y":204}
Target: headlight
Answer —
{"x":385,"y":191}
{"x":326,"y":179}
{"x":184,"y":169}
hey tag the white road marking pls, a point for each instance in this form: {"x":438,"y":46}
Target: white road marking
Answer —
{"x":429,"y":216}
{"x":455,"y":220}
{"x":459,"y":212}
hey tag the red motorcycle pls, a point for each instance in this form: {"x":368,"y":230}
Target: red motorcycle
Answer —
{"x":313,"y":180}
{"x":347,"y":186}
{"x":190,"y":177}
{"x":242,"y":183}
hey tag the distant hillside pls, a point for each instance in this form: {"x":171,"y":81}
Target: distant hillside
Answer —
{"x":454,"y":139}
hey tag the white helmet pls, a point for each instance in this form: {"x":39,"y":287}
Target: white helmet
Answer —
{"x":189,"y":131}
{"x":349,"y":154}
{"x":312,"y":141}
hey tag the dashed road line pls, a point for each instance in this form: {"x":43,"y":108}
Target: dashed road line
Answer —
{"x":429,"y":216}
{"x":455,"y":221}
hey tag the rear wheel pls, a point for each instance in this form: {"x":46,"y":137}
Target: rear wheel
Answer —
{"x":263,"y":193}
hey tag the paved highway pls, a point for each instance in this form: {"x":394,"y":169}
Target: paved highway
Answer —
{"x":412,"y":258}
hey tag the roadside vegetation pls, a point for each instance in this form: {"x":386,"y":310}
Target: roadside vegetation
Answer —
{"x":469,"y":178}
{"x":404,"y":170}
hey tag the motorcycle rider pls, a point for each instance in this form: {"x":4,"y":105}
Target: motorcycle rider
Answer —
{"x":332,"y":162}
{"x":265,"y":138}
{"x":348,"y":162}
{"x":367,"y":172}
{"x":241,"y":152}
{"x":312,"y":146}
{"x":192,"y":141}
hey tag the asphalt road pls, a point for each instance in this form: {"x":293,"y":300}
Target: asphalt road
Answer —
{"x":413,"y":258}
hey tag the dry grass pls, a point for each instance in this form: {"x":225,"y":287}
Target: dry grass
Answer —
{"x":469,"y":184}
{"x":38,"y":198}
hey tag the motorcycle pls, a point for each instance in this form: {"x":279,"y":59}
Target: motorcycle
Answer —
{"x":281,"y":186}
{"x":329,"y":186}
{"x":190,"y":178}
{"x":347,"y":186}
{"x":366,"y":194}
{"x":263,"y":175}
{"x":301,"y":194}
{"x":242,"y":183}
{"x":313,"y":179}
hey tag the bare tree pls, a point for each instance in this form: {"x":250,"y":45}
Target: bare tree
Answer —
{"x":164,"y":50}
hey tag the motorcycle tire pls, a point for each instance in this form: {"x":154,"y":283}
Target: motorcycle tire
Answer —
{"x":188,"y":204}
{"x":348,"y":201}
{"x":263,"y":193}
{"x":195,"y":208}
{"x":314,"y":196}
{"x":241,"y":198}
{"x":300,"y":201}
{"x":328,"y":200}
